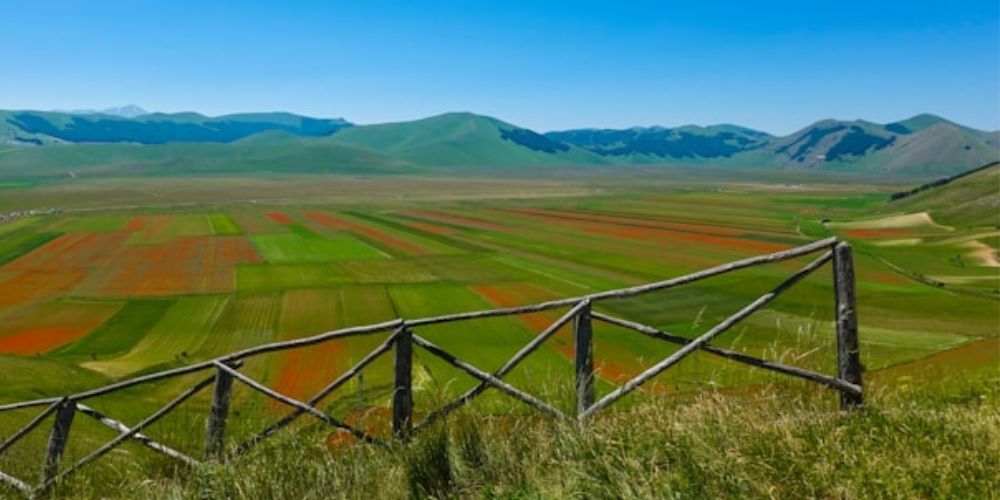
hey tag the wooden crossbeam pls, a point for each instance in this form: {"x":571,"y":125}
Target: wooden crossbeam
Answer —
{"x":15,"y":482}
{"x":694,"y":345}
{"x":487,"y":378}
{"x":138,"y":436}
{"x":529,"y":348}
{"x":253,"y":384}
{"x":739,"y":357}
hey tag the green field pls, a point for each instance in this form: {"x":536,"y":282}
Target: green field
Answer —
{"x":289,"y":248}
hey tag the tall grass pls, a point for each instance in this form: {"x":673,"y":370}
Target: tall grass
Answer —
{"x":775,"y":443}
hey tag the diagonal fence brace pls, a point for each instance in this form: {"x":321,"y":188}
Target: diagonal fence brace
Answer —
{"x":511,"y":363}
{"x":694,"y":345}
{"x":296,"y":404}
{"x":15,"y":482}
{"x":138,"y":436}
{"x":739,"y":357}
{"x":489,"y":379}
{"x":322,"y":394}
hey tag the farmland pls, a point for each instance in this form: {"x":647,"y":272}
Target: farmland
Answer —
{"x":91,"y":295}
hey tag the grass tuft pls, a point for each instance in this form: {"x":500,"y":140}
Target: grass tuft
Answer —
{"x":775,"y":442}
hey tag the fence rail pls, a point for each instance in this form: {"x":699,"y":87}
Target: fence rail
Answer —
{"x":403,"y":340}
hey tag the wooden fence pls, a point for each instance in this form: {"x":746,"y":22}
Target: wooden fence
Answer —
{"x":225,"y":370}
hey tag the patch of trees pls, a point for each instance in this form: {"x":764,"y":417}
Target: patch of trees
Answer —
{"x":898,"y":128}
{"x":532,"y":140}
{"x":940,"y":182}
{"x":660,"y":142}
{"x":858,"y":142}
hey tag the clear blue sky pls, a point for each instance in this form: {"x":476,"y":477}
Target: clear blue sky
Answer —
{"x":775,"y":66}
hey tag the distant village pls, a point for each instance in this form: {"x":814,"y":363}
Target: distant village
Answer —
{"x":12,"y":216}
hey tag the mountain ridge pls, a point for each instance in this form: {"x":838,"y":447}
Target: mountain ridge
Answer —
{"x":922,"y":145}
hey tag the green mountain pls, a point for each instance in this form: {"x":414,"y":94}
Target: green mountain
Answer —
{"x":40,"y":128}
{"x":923,"y":145}
{"x":464,"y":139}
{"x":271,"y":152}
{"x":36,"y":144}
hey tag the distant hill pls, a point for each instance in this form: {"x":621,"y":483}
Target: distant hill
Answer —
{"x":969,"y":199}
{"x":464,"y":139}
{"x":269,"y":152}
{"x":41,"y":128}
{"x":924,"y":146}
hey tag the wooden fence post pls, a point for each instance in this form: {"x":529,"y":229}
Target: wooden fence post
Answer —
{"x":58,"y":438}
{"x":583,"y":334}
{"x":215,"y":427}
{"x":848,"y":352}
{"x":402,"y":391}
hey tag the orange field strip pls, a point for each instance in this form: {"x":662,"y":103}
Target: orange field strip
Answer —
{"x":191,"y":264}
{"x":280,"y":218}
{"x":881,"y":233}
{"x":256,"y":223}
{"x":135,"y":224}
{"x":153,"y":228}
{"x":382,"y":237}
{"x":304,"y":371}
{"x":70,"y":252}
{"x":325,"y":219}
{"x":31,"y":286}
{"x":103,"y":263}
{"x":628,"y":221}
{"x":41,"y":340}
{"x":653,"y":235}
{"x":52,"y":326}
{"x":453,"y":219}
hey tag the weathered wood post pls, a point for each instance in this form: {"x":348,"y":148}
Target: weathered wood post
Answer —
{"x":848,"y":352}
{"x":58,"y":439}
{"x":583,"y":334}
{"x":402,"y":391}
{"x":215,"y":426}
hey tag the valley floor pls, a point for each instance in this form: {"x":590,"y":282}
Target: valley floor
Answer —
{"x":155,"y":277}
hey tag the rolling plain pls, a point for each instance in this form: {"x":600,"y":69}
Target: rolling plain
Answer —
{"x":96,"y":292}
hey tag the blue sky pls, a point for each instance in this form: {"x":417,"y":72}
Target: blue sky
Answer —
{"x":775,"y":66}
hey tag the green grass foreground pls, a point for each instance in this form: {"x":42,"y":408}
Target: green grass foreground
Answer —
{"x":781,"y":442}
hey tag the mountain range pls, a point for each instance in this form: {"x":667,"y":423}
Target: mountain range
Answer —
{"x":56,"y":144}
